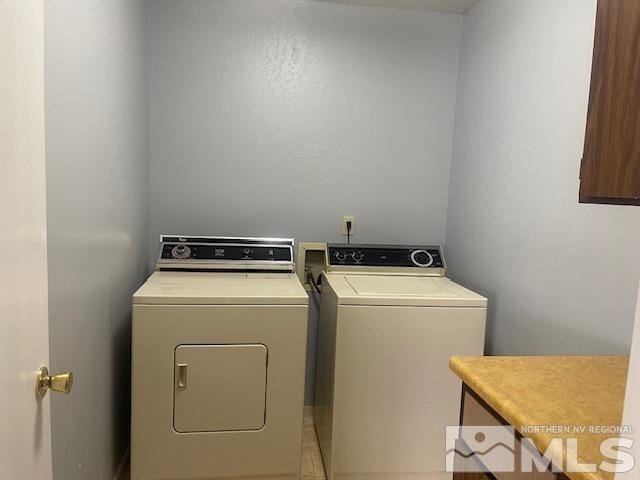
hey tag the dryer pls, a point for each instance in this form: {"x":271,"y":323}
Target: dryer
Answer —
{"x":218,"y":361}
{"x":389,"y":322}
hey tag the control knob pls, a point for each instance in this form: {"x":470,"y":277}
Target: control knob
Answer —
{"x":357,"y":256}
{"x":421,"y":258}
{"x":340,"y":256}
{"x":181,"y":252}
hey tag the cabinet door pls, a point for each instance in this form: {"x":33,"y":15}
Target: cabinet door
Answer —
{"x":610,"y":170}
{"x":219,"y":387}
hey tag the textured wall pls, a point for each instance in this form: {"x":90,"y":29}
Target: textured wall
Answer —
{"x":277,"y":117}
{"x":560,"y":277}
{"x":97,"y":194}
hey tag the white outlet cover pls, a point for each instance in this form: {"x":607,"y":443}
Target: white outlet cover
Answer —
{"x":345,"y":219}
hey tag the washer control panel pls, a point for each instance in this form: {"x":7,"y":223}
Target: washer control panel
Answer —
{"x":225,"y":253}
{"x":389,"y":256}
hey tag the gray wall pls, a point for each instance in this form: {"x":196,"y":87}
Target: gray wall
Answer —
{"x":97,"y":182}
{"x":560,"y":277}
{"x":277,"y":117}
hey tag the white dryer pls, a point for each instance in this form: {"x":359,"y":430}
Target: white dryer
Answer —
{"x":389,"y":322}
{"x":218,"y":362}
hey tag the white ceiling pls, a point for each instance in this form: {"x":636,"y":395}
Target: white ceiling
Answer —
{"x":449,"y":6}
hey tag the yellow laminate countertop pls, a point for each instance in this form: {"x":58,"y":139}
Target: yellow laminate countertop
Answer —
{"x":553,"y":391}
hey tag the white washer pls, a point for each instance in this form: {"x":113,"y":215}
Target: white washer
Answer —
{"x":389,"y":322}
{"x":218,"y":362}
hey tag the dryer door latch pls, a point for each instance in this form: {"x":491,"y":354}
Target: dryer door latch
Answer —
{"x":182,"y":375}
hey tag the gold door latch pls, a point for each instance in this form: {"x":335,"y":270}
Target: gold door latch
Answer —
{"x":182,"y":375}
{"x":58,"y":383}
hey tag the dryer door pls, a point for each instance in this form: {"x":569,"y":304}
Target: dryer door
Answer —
{"x":219,"y":387}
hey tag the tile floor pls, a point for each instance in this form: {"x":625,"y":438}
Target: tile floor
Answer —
{"x":311,"y":465}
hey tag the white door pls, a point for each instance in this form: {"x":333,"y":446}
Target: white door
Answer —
{"x":632,"y":399}
{"x":25,"y":436}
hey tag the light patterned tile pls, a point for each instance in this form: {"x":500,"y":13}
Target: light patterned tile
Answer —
{"x":318,"y":466}
{"x":311,"y":450}
{"x":309,"y":438}
{"x":315,"y":449}
{"x":306,"y":469}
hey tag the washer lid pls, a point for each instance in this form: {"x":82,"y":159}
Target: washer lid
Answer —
{"x":402,"y":290}
{"x":209,"y":288}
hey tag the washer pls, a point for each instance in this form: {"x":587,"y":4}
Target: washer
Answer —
{"x":218,"y":361}
{"x":389,"y":322}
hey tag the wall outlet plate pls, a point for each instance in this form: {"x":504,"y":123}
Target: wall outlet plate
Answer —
{"x":345,"y":219}
{"x":311,"y":255}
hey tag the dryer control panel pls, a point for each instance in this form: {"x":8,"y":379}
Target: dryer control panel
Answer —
{"x":418,"y":259}
{"x":225,"y":253}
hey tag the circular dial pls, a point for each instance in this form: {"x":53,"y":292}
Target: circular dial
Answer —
{"x":340,"y":256}
{"x":421,"y":258}
{"x":181,"y":252}
{"x":357,"y":256}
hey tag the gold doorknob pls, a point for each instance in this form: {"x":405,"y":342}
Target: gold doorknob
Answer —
{"x":61,"y":382}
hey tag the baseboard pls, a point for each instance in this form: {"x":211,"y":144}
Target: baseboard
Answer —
{"x":123,"y":468}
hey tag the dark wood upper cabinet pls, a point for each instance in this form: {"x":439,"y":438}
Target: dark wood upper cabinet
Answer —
{"x":610,"y":171}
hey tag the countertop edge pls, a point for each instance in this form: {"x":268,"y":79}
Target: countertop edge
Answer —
{"x":505,"y":409}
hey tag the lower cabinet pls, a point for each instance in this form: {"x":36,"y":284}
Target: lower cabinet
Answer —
{"x":474,"y":412}
{"x":472,"y":476}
